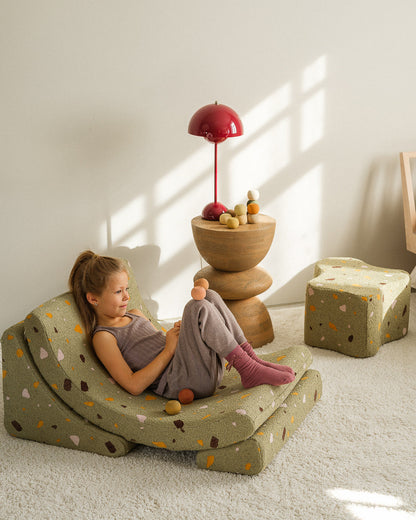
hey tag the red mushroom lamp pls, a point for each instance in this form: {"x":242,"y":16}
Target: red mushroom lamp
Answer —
{"x":216,"y":123}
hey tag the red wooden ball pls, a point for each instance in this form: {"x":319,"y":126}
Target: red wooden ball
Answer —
{"x":186,"y":396}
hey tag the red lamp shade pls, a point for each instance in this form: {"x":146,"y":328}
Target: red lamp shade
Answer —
{"x":216,"y":123}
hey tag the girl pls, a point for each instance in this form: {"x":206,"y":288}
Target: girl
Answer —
{"x":139,"y":357}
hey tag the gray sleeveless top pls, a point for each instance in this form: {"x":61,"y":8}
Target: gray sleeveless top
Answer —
{"x":138,"y":341}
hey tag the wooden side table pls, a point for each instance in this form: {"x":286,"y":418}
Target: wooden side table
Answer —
{"x":233,"y":255}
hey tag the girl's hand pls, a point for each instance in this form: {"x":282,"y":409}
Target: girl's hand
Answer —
{"x":172,"y":336}
{"x":177,"y":325}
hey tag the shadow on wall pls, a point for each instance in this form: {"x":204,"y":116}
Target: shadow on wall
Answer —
{"x":152,"y":275}
{"x":135,"y":208}
{"x":295,"y":285}
{"x":382,"y":208}
{"x":144,"y":261}
{"x":292,"y":116}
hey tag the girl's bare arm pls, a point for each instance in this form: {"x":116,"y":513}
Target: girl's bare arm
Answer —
{"x":106,"y":348}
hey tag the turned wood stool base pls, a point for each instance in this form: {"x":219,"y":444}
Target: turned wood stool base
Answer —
{"x":239,"y":291}
{"x":233,"y":255}
{"x":253,"y":317}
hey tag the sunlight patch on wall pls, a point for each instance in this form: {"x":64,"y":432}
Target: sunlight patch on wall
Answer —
{"x":172,"y":216}
{"x":151,"y":217}
{"x":312,"y":120}
{"x":126,"y":220}
{"x":299,"y":217}
{"x":264,"y":112}
{"x":313,"y":108}
{"x":261,"y":158}
{"x":176,"y":181}
{"x":265,"y":146}
{"x":314,"y":74}
{"x":277,"y":132}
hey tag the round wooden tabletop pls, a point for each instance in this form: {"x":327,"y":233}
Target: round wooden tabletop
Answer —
{"x":265,"y":222}
{"x":233,"y":249}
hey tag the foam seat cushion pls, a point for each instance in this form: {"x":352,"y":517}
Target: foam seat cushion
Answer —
{"x":68,"y":363}
{"x":33,"y":411}
{"x":56,"y":391}
{"x":353,"y":307}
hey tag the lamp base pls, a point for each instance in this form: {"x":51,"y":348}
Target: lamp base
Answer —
{"x":213,"y":210}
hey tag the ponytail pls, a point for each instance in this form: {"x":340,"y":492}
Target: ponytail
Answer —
{"x":90,"y":273}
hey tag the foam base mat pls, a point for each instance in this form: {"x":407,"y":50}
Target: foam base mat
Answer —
{"x":251,"y":456}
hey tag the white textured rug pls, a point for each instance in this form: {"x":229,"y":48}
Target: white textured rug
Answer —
{"x":354,"y":457}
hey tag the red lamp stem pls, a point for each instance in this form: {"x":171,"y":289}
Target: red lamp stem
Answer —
{"x":215,"y":174}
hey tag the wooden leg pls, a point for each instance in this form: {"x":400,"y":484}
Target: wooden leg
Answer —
{"x":254,"y":319}
{"x":236,"y":285}
{"x":239,"y":291}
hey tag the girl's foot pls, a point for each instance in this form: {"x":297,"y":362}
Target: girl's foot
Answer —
{"x":253,"y":373}
{"x":250,"y":351}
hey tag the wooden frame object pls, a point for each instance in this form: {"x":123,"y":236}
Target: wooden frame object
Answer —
{"x":408,"y":200}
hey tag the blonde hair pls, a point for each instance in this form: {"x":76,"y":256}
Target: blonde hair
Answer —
{"x":90,"y":274}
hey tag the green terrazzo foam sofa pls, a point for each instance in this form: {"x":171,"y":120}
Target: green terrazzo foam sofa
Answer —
{"x":56,"y":391}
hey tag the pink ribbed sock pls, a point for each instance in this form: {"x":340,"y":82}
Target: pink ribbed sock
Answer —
{"x":255,"y":374}
{"x":250,"y":351}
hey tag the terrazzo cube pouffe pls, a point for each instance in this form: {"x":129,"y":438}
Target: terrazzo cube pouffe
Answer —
{"x":56,"y":391}
{"x":353,"y":308}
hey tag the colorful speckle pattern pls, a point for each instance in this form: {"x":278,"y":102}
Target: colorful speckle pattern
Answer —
{"x":354,"y":308}
{"x":33,"y":411}
{"x":84,"y":385}
{"x":57,"y":392}
{"x":251,"y":456}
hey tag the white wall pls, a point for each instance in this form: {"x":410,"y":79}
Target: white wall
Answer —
{"x":96,"y":98}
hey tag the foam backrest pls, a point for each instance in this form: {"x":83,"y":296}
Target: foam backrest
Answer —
{"x":62,"y":353}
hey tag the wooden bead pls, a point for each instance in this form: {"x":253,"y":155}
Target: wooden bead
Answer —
{"x":253,"y":194}
{"x":233,"y":223}
{"x":240,"y":209}
{"x":224,"y":217}
{"x":186,"y":396}
{"x":253,"y":219}
{"x":253,"y":208}
{"x":201,"y":282}
{"x":198,"y":293}
{"x":173,"y":407}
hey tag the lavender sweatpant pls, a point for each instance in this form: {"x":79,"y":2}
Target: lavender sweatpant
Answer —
{"x":209,"y":332}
